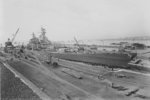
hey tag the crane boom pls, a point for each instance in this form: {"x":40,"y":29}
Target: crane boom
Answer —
{"x":81,"y":48}
{"x":76,"y":42}
{"x":15,"y":35}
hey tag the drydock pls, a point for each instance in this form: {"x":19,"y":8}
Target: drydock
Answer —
{"x":46,"y":76}
{"x":77,"y":81}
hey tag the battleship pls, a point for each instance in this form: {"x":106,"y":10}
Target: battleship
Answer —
{"x":39,"y":43}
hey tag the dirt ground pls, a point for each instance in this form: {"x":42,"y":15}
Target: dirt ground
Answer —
{"x":105,"y":89}
{"x":14,"y":88}
{"x":119,"y":85}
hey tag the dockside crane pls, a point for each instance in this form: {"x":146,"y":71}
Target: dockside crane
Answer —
{"x":80,"y":47}
{"x":9,"y":47}
{"x":77,"y":43}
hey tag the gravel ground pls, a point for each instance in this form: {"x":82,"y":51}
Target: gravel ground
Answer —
{"x":13,"y":88}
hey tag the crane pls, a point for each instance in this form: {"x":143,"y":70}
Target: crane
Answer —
{"x":77,"y":43}
{"x":8,"y":45}
{"x":80,"y":48}
{"x":14,"y":36}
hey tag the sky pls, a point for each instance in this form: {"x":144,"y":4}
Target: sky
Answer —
{"x":66,"y":19}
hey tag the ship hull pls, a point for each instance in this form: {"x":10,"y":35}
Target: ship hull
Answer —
{"x":113,"y":60}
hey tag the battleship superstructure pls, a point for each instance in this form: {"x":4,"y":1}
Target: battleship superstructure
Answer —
{"x":39,"y":43}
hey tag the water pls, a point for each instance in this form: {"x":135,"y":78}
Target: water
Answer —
{"x":108,"y":42}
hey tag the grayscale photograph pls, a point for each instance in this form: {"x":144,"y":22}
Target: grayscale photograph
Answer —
{"x":75,"y":49}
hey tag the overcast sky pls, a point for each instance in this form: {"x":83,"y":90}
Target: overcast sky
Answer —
{"x":84,"y":19}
